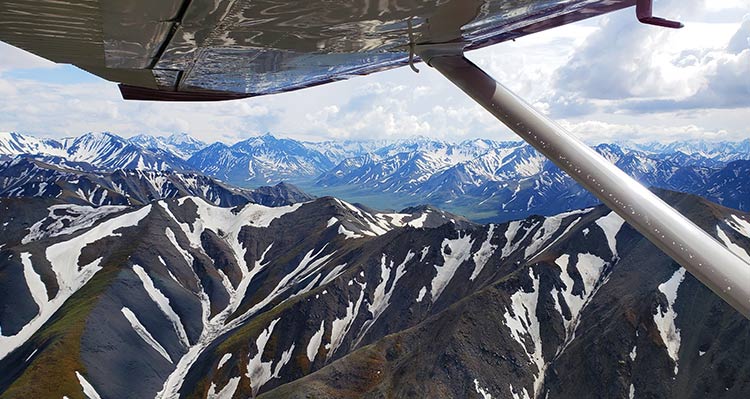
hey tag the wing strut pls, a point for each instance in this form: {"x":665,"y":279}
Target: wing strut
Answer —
{"x":708,"y":260}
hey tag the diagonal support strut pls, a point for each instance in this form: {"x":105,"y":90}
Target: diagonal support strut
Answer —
{"x":704,"y":257}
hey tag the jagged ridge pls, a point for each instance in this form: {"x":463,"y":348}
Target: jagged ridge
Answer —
{"x":333,"y":300}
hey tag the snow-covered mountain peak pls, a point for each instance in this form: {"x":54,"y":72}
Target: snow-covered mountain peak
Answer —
{"x":97,"y":151}
{"x":145,"y":140}
{"x":724,"y":151}
{"x":12,"y":143}
{"x":96,"y":140}
{"x":268,"y":143}
{"x":181,"y":144}
{"x":261,"y":160}
{"x":612,"y":152}
{"x":498,"y":177}
{"x":100,"y":136}
{"x":182,"y":138}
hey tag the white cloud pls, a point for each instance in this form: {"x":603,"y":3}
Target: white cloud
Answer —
{"x":644,"y":69}
{"x":606,"y":77}
{"x":595,"y":132}
{"x":14,"y":58}
{"x":7,"y":89}
{"x":726,"y":5}
{"x":375,"y":116}
{"x":245,"y":109}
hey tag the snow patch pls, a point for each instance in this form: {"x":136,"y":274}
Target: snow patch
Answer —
{"x":665,"y":318}
{"x":227,"y":392}
{"x":315,"y":340}
{"x":522,"y":395}
{"x":460,"y":251}
{"x":736,"y":249}
{"x":335,"y":272}
{"x":590,"y":268}
{"x":550,"y":226}
{"x":521,"y":320}
{"x":31,"y":355}
{"x":347,"y":233}
{"x":422,"y":293}
{"x":173,"y":240}
{"x":163,"y":303}
{"x":481,"y":391}
{"x":309,"y":264}
{"x":340,"y":327}
{"x":144,"y":333}
{"x":88,"y":389}
{"x":227,"y":225}
{"x":739,"y":224}
{"x":74,"y":218}
{"x":36,"y":287}
{"x":424,"y":253}
{"x":223,"y":360}
{"x":483,"y":255}
{"x":261,"y":372}
{"x":611,"y":225}
{"x":510,"y":235}
{"x":70,"y":276}
{"x":418,"y":222}
{"x":382,"y":295}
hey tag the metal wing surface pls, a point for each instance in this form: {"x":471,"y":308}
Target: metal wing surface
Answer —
{"x":226,"y":49}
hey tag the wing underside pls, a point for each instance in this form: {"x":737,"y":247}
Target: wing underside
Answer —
{"x":226,"y":49}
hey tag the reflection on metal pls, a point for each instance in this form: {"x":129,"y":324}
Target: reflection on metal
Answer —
{"x":269,"y":46}
{"x":708,"y":260}
{"x":255,"y":47}
{"x":69,"y":32}
{"x":134,"y":30}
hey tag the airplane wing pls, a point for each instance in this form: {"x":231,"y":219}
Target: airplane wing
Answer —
{"x":226,"y":49}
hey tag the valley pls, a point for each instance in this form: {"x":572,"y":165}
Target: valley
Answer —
{"x":484,"y":180}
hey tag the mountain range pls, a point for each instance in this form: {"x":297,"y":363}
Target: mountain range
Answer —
{"x":113,"y":272}
{"x":482,"y":179}
{"x":260,"y":160}
{"x":28,"y":177}
{"x":180,"y":144}
{"x":327,"y":299}
{"x":101,"y":151}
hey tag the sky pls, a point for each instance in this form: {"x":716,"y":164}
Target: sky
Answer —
{"x":605,"y":79}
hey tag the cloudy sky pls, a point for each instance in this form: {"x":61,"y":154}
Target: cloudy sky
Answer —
{"x":607,"y":78}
